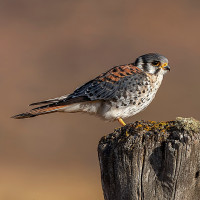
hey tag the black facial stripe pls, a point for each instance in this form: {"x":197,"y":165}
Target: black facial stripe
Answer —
{"x":157,"y":70}
{"x":145,"y":66}
{"x":136,"y":62}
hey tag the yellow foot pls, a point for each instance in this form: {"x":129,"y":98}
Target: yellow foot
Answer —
{"x":120,"y":120}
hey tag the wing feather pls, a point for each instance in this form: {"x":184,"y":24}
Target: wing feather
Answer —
{"x":109,"y":85}
{"x":106,"y":86}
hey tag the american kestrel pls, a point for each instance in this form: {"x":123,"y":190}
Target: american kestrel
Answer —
{"x":121,"y":92}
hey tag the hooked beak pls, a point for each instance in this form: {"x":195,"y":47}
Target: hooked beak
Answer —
{"x":165,"y":66}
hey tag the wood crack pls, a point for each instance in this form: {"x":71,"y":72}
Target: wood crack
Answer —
{"x":151,"y":161}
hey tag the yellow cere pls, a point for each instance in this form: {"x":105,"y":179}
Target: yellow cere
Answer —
{"x":164,"y":65}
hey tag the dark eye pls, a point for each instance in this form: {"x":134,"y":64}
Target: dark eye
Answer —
{"x":155,"y":63}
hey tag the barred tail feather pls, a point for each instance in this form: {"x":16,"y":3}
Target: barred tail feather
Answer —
{"x":38,"y":111}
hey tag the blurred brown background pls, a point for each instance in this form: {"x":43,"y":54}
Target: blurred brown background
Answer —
{"x":48,"y":48}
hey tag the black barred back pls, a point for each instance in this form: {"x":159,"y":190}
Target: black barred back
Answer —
{"x":112,"y":84}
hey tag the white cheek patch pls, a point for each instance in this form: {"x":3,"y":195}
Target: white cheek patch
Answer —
{"x":151,"y":69}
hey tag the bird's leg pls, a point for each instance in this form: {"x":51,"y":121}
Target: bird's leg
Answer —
{"x":120,"y":120}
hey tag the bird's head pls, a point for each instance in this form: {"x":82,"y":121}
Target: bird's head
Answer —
{"x":153,"y":63}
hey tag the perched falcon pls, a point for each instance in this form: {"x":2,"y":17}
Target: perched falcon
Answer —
{"x":121,"y":92}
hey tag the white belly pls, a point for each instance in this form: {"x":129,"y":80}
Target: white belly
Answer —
{"x":109,"y":110}
{"x":113,"y":112}
{"x":124,"y":112}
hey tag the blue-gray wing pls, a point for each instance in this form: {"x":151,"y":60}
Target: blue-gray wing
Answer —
{"x":109,"y":85}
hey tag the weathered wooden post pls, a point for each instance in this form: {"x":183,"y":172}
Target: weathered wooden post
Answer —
{"x":152,"y":160}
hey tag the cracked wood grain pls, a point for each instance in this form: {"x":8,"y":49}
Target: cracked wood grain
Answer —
{"x":152,"y":160}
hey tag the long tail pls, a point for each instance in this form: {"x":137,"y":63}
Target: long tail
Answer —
{"x":57,"y":99}
{"x":39,"y":111}
{"x":52,"y":105}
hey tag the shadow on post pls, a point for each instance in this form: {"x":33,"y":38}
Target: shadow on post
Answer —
{"x":152,"y":160}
